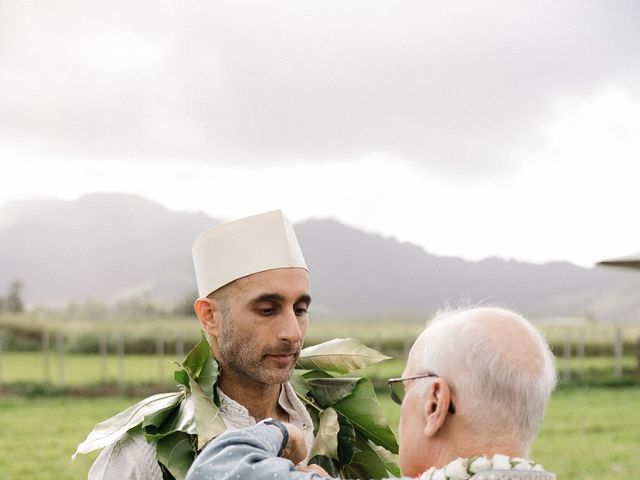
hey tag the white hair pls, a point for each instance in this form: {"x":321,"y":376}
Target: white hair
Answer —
{"x":501,"y":390}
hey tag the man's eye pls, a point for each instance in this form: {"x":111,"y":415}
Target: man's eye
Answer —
{"x":266,"y":311}
{"x":301,"y":311}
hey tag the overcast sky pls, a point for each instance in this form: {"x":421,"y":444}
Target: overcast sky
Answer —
{"x":471,"y":128}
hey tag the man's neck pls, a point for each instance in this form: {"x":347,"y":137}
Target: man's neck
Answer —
{"x":260,"y":399}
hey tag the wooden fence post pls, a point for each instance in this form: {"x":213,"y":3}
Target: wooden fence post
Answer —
{"x":104,"y":350}
{"x":567,"y":355}
{"x":581,"y":342}
{"x":46,"y":356}
{"x":618,"y":353}
{"x":1,"y":372}
{"x":121,"y":370}
{"x":60,"y":357}
{"x":160,"y":355}
{"x":180,"y":348}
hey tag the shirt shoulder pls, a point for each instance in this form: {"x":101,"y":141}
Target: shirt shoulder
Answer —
{"x":129,"y":458}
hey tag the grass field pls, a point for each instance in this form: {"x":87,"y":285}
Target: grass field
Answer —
{"x":39,"y":435}
{"x":36,"y":367}
{"x":589,"y":434}
{"x":592,"y":434}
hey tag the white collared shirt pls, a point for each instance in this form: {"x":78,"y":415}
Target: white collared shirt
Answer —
{"x":236,"y":416}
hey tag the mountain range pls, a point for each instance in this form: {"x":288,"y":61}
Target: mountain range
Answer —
{"x":111,"y":246}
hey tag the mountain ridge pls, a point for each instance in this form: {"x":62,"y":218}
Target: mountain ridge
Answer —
{"x":103,"y":245}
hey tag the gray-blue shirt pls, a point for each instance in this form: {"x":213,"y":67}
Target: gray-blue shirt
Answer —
{"x":250,"y":454}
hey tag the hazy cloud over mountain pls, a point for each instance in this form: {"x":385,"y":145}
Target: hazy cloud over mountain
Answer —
{"x":110,"y":247}
{"x":458,"y":86}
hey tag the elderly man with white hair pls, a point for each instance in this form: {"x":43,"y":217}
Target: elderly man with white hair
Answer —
{"x":472,"y":395}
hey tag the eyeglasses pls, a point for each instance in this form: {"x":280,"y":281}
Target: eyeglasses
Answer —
{"x":397,"y":391}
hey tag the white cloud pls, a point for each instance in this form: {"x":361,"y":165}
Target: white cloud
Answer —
{"x":473,"y":129}
{"x":460,"y":87}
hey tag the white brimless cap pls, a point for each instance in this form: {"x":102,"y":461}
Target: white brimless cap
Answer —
{"x":242,"y":247}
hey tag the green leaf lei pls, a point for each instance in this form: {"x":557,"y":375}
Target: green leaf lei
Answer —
{"x":352,"y":436}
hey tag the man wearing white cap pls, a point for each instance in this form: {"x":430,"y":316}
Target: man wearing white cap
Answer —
{"x":253,"y":287}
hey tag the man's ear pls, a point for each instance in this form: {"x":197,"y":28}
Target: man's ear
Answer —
{"x":209,"y":314}
{"x":436,"y":406}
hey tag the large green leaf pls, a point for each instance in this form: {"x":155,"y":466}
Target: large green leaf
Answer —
{"x":208,"y":421}
{"x":208,"y":376}
{"x":299,"y":384}
{"x":176,"y":452}
{"x":181,"y":376}
{"x":181,"y":419}
{"x":366,"y":415}
{"x":328,"y":391}
{"x":157,"y":418}
{"x":329,"y":465}
{"x":346,"y":440}
{"x":341,"y":355}
{"x":302,"y":389}
{"x":316,"y":374}
{"x":198,"y":356}
{"x":346,"y":450}
{"x":389,"y":459}
{"x":365,"y":464}
{"x":326,"y":441}
{"x":370,"y":461}
{"x":107,"y":432}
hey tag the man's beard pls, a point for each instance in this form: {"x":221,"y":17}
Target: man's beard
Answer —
{"x":239,"y":354}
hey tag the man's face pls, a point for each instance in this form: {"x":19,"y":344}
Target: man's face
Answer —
{"x":264,"y":324}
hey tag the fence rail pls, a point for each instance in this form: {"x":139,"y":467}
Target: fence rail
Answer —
{"x":55,"y":364}
{"x":573,"y":351}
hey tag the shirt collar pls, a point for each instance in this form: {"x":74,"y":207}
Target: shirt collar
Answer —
{"x":288,"y":400}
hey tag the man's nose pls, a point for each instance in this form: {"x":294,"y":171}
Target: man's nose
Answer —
{"x":290,"y":328}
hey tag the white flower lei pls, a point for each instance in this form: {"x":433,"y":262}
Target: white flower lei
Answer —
{"x":464,"y":468}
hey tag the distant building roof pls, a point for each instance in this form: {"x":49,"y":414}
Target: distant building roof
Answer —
{"x":630,"y":261}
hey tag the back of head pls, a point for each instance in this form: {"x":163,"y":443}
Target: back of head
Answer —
{"x":499,"y":367}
